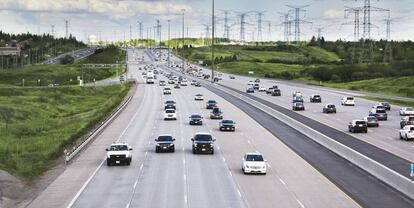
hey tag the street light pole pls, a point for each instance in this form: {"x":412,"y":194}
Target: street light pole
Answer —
{"x":182,"y":49}
{"x":168,"y":43}
{"x":212,"y":44}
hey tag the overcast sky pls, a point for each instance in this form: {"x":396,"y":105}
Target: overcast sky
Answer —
{"x":111,"y":19}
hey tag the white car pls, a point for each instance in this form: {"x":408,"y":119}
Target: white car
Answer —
{"x":166,"y":91}
{"x":348,"y":101}
{"x":170,"y":114}
{"x":254,"y":163}
{"x":407,"y":132}
{"x":198,"y":97}
{"x":406,"y":111}
{"x":119,"y":153}
{"x":184,"y":83}
{"x":193,"y":82}
{"x":262,"y":89}
{"x":250,"y":83}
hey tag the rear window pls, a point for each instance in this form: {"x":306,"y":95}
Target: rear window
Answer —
{"x":411,"y":128}
{"x":411,"y":118}
{"x":360,"y":122}
{"x":316,"y":96}
{"x":254,"y":158}
{"x":350,"y":98}
{"x":170,"y":111}
{"x":331,"y":106}
{"x":381,"y":111}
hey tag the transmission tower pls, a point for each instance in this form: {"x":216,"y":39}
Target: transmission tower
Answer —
{"x":140,"y":29}
{"x":66,"y":29}
{"x":367,"y":9}
{"x":53,"y":30}
{"x":243,"y":25}
{"x":207,"y":33}
{"x":297,"y":20}
{"x":269,"y":30}
{"x":226,"y":24}
{"x":388,"y":47}
{"x":130,"y":32}
{"x":286,"y":23}
{"x":158,"y":27}
{"x":355,"y":12}
{"x":260,"y":15}
{"x":319,"y":30}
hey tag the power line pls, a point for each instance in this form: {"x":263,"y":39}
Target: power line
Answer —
{"x":297,"y":20}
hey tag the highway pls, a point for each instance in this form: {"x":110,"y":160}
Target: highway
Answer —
{"x":77,"y":55}
{"x":182,"y":179}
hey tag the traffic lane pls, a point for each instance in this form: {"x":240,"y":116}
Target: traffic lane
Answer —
{"x":287,"y":184}
{"x":385,"y":137}
{"x":209,"y":183}
{"x":162,"y":183}
{"x":113,"y":185}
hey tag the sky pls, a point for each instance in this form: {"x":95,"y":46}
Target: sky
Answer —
{"x":111,"y":20}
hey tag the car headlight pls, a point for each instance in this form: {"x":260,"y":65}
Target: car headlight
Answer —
{"x":108,"y":156}
{"x":195,"y":145}
{"x":157,"y":144}
{"x":171,"y":145}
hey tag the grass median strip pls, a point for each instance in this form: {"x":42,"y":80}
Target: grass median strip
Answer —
{"x":37,"y":124}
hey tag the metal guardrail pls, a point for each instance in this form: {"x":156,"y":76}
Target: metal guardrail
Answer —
{"x":76,"y":149}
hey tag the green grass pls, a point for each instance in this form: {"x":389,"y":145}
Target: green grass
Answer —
{"x":401,"y":86}
{"x":46,"y":120}
{"x":62,"y":74}
{"x":391,"y":101}
{"x":260,"y":69}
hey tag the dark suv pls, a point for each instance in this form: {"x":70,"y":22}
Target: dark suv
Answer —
{"x":407,"y":120}
{"x":211,"y":104}
{"x":169,"y":104}
{"x":216,"y":114}
{"x":329,"y":108}
{"x":227,"y":125}
{"x":276,"y":92}
{"x":315,"y":98}
{"x":196,"y":120}
{"x":164,"y":143}
{"x":358,"y":126}
{"x":203,"y":143}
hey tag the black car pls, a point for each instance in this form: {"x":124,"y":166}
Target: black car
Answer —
{"x":386,"y":105}
{"x":315,"y":98}
{"x":164,"y":143}
{"x":298,"y":106}
{"x":358,"y":126}
{"x":196,"y":120}
{"x":216,"y":114}
{"x":297,"y":100}
{"x":227,"y":125}
{"x":169,"y":104}
{"x":211,"y":104}
{"x":276,"y":92}
{"x":257,"y":80}
{"x":232,"y":77}
{"x":203,"y":143}
{"x":177,"y":86}
{"x":329,"y":108}
{"x":250,"y":90}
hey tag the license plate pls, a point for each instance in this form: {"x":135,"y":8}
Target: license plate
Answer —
{"x":117,"y":162}
{"x":203,"y":149}
{"x":164,"y":147}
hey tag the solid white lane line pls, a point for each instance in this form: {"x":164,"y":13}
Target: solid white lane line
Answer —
{"x":142,"y":165}
{"x":300,"y":203}
{"x":268,"y":165}
{"x":135,"y":184}
{"x":238,"y":191}
{"x":282,"y":181}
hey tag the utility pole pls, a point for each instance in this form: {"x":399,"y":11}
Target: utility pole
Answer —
{"x":286,"y":26}
{"x":226,"y":24}
{"x":168,"y":43}
{"x":140,"y":30}
{"x":212,"y":42}
{"x":297,"y":20}
{"x":388,"y":46}
{"x":182,"y":49}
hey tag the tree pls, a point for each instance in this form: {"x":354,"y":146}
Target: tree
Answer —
{"x":7,"y":115}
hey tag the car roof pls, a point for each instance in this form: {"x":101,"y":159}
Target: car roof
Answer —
{"x":357,"y":120}
{"x":329,"y":104}
{"x":119,"y":143}
{"x":203,"y":133}
{"x":253,"y":153}
{"x":160,"y":135}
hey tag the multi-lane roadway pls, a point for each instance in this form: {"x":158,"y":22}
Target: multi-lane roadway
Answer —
{"x":182,"y":179}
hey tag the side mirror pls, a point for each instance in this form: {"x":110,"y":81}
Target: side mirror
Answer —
{"x":156,"y":140}
{"x":106,"y":149}
{"x":192,"y":139}
{"x":214,"y":140}
{"x":174,"y":139}
{"x":130,"y":148}
{"x":265,"y":160}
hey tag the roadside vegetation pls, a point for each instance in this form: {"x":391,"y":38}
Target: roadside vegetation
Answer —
{"x":337,"y":64}
{"x":64,"y":74}
{"x":37,"y":124}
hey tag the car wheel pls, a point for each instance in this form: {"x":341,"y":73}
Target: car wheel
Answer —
{"x":156,"y":150}
{"x":212,"y":152}
{"x":108,"y":163}
{"x":128,"y":163}
{"x":194,"y":152}
{"x":401,"y":137}
{"x":366,"y":131}
{"x":406,"y":137}
{"x":173,"y":149}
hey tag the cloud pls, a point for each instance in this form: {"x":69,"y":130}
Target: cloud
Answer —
{"x":111,"y":8}
{"x":333,"y":13}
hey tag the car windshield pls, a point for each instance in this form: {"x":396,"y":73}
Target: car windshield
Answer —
{"x":164,"y":138}
{"x":196,"y":117}
{"x":331,"y":106}
{"x":381,"y":111}
{"x":360,"y":122}
{"x":119,"y":147}
{"x":254,"y":158}
{"x":167,"y":89}
{"x":227,"y":121}
{"x":170,"y":111}
{"x":411,"y":118}
{"x":216,"y":110}
{"x":169,"y":102}
{"x":350,"y":98}
{"x":199,"y":95}
{"x":203,"y":137}
{"x":211,"y":102}
{"x":409,"y":109}
{"x":372,"y":118}
{"x":316,"y":96}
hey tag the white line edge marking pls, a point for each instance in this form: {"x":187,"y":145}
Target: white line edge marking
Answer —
{"x":282,"y":181}
{"x":300,"y":203}
{"x":135,"y":184}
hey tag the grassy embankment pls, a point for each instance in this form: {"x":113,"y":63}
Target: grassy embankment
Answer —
{"x":63,"y":74}
{"x":41,"y":122}
{"x":290,"y":63}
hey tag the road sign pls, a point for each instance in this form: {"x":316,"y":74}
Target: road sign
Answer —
{"x":251,"y":72}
